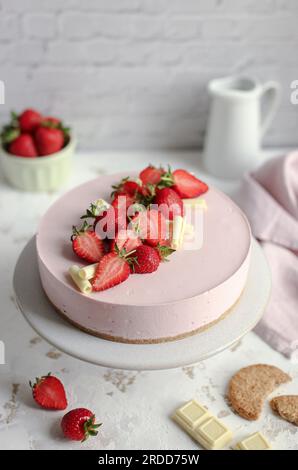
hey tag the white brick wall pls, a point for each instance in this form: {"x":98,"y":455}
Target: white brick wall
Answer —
{"x":133,"y":73}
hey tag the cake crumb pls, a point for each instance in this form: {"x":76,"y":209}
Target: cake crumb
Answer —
{"x":35,"y":340}
{"x":189,"y":371}
{"x":121,"y":380}
{"x":53,"y":354}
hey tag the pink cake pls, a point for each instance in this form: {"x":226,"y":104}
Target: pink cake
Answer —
{"x":189,"y":293}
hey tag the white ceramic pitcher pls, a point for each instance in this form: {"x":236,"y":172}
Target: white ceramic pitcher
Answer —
{"x":237,"y":124}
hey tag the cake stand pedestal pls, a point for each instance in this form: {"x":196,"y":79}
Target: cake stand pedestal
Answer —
{"x":44,"y":319}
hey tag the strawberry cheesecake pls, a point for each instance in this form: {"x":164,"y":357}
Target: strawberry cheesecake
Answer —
{"x":144,"y":258}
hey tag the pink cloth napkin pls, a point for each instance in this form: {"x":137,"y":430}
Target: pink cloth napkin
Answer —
{"x":269,"y":197}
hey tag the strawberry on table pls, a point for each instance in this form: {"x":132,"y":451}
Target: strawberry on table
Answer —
{"x":169,"y":202}
{"x":48,"y":140}
{"x":112,"y":269}
{"x":151,"y":175}
{"x":86,"y":243}
{"x":79,"y":424}
{"x":23,"y":146}
{"x":48,"y":392}
{"x":29,"y":120}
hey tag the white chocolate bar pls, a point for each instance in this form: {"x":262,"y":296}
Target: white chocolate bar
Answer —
{"x":255,"y":441}
{"x":207,"y":430}
{"x":196,"y":202}
{"x":88,"y":272}
{"x":83,"y":284}
{"x":214,"y":434}
{"x":193,"y":413}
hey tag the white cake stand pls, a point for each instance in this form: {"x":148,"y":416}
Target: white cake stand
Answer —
{"x":47,"y":323}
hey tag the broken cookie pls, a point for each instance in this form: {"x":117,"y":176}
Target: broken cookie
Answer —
{"x":286,"y":406}
{"x":250,"y":386}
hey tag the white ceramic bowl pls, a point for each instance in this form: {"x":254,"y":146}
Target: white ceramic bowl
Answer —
{"x":47,"y":173}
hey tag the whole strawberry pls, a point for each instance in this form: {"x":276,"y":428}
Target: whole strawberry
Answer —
{"x":79,"y":424}
{"x":146,"y":259}
{"x":48,"y":140}
{"x":126,"y":186}
{"x":23,"y":146}
{"x":49,"y":392}
{"x":112,"y":269}
{"x":29,"y":120}
{"x":51,"y":121}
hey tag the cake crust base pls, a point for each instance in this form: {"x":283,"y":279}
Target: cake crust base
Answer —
{"x":119,"y":339}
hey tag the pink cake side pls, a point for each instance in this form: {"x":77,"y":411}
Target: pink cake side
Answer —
{"x":194,"y":289}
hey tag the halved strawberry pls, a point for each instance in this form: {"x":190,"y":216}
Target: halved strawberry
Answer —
{"x":127,"y":239}
{"x":49,"y":392}
{"x":187,"y":185}
{"x":169,"y":202}
{"x":121,"y":203}
{"x":105,"y":224}
{"x":86,"y":244}
{"x":112,"y":270}
{"x":151,"y":175}
{"x":151,"y":226}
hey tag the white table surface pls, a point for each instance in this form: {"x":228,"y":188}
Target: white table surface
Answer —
{"x":133,"y":406}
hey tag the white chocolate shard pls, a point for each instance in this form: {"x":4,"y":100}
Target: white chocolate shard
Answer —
{"x":88,"y":272}
{"x":189,"y":229}
{"x":83,"y":284}
{"x":178,"y":231}
{"x":101,"y":206}
{"x":196,"y":202}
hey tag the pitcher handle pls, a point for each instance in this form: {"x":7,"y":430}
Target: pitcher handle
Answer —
{"x":272,"y":91}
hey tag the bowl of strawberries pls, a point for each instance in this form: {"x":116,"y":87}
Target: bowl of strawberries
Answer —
{"x":36,"y":151}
